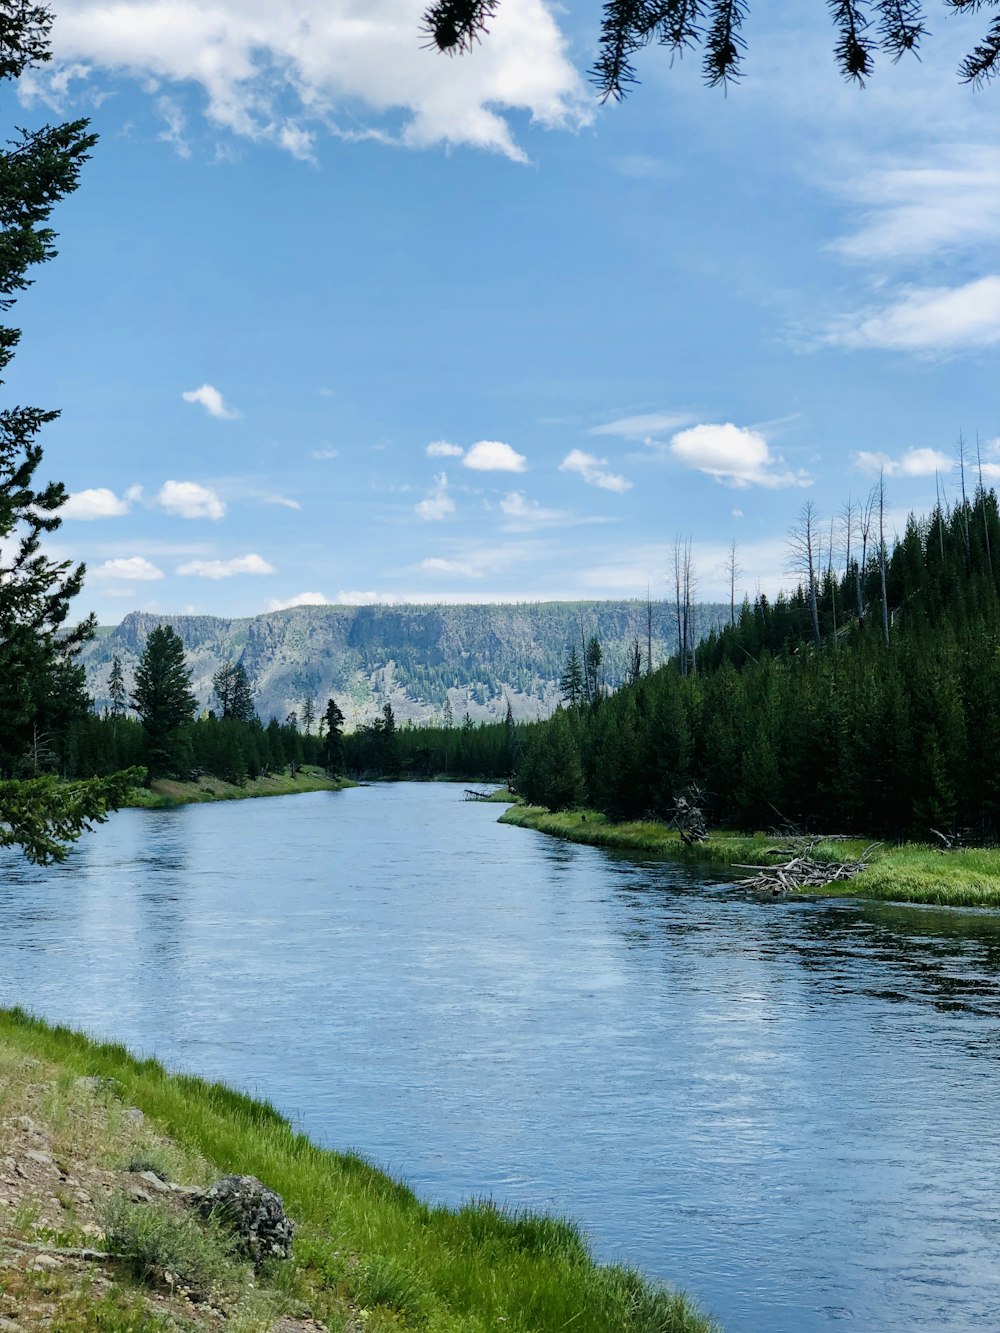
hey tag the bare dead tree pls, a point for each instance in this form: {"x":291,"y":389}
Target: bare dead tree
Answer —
{"x":867,"y":517}
{"x":882,"y":555}
{"x":981,"y":497}
{"x":684,"y":585}
{"x":734,"y":570}
{"x":960,"y":454}
{"x":649,"y":634}
{"x":802,"y":559}
{"x":832,"y":583}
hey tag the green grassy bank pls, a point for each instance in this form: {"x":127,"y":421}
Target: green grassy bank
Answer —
{"x":906,"y":873}
{"x":368,"y":1253}
{"x":165,"y":793}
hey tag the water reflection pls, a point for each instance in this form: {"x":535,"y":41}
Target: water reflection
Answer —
{"x":772,"y":1102}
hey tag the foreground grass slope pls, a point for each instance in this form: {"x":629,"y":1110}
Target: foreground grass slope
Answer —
{"x":368,"y":1252}
{"x":906,"y":873}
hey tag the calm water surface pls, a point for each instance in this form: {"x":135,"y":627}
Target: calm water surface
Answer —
{"x":790,"y":1109}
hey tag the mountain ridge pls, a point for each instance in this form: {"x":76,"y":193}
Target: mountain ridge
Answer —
{"x":422,"y":659}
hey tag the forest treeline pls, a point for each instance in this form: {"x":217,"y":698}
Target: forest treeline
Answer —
{"x":866,"y":701}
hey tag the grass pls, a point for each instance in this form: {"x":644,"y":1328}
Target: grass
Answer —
{"x":366,"y":1247}
{"x":166,"y":793}
{"x":909,"y":872}
{"x":160,"y":1244}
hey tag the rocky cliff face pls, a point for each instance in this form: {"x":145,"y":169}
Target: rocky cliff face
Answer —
{"x":421,"y":659}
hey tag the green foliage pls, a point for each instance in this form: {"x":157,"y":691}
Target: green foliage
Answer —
{"x":43,"y":815}
{"x":163,"y":700}
{"x":162,"y":1245}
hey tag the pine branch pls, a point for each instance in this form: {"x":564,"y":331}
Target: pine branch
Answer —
{"x":676,"y":23}
{"x":625,"y":29}
{"x":853,"y":51}
{"x":983,"y":63}
{"x":456,"y":25}
{"x":724,"y":46}
{"x":901,"y":26}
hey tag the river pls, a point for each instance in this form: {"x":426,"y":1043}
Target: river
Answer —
{"x":791,"y":1109}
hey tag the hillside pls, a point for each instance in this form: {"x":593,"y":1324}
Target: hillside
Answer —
{"x":418,"y":658}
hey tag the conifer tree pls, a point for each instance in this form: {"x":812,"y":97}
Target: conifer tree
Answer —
{"x":116,"y":688}
{"x":163,"y":700}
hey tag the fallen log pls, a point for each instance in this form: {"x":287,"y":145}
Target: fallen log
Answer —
{"x":803,"y":871}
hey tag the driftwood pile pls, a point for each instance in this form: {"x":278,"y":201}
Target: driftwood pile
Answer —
{"x":689,"y":815}
{"x":801,"y":870}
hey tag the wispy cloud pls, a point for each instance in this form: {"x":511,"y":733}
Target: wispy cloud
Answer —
{"x":442,"y":449}
{"x":324,"y":455}
{"x":927,"y":320}
{"x":644,"y":425}
{"x":212,"y":401}
{"x":435,"y":565}
{"x":227,"y":569}
{"x":189,"y":499}
{"x":438,"y":504}
{"x":947,"y":200}
{"x":735,"y":456}
{"x":276,"y":498}
{"x":591,"y":469}
{"x":522,"y":513}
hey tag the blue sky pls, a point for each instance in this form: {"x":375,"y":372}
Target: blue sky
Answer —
{"x":337,"y":318}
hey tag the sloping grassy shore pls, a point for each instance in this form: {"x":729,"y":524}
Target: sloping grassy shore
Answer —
{"x":906,"y":873}
{"x":165,"y":793}
{"x":368,"y":1254}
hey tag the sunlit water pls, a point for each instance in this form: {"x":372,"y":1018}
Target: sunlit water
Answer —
{"x":792,"y":1109}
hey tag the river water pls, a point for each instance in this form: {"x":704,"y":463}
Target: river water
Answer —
{"x":791,"y":1109}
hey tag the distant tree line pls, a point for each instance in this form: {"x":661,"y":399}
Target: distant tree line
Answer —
{"x":165,"y":735}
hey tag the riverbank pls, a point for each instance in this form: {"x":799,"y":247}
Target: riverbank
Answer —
{"x":906,"y":873}
{"x":85,"y":1123}
{"x":165,"y":793}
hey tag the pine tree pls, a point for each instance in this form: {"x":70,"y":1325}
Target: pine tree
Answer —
{"x":571,"y":680}
{"x":116,"y":688}
{"x":163,"y":700}
{"x":333,"y":742}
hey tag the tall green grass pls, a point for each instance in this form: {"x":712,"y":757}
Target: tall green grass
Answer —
{"x":366,"y":1238}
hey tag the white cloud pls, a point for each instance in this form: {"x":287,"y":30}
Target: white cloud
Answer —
{"x":300,"y":599}
{"x":442,"y":449}
{"x":212,"y":401}
{"x":928,"y":319}
{"x":188,"y":499}
{"x":948,"y":200}
{"x":284,"y":501}
{"x":734,"y":456}
{"x":438,"y":504}
{"x":914,"y":463}
{"x":96,"y":503}
{"x":434,"y":565}
{"x":265,"y":70}
{"x":323,"y":455}
{"x":639,"y":427}
{"x":494,"y":456}
{"x":591,"y":469}
{"x":128,"y":567}
{"x":226,"y":569}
